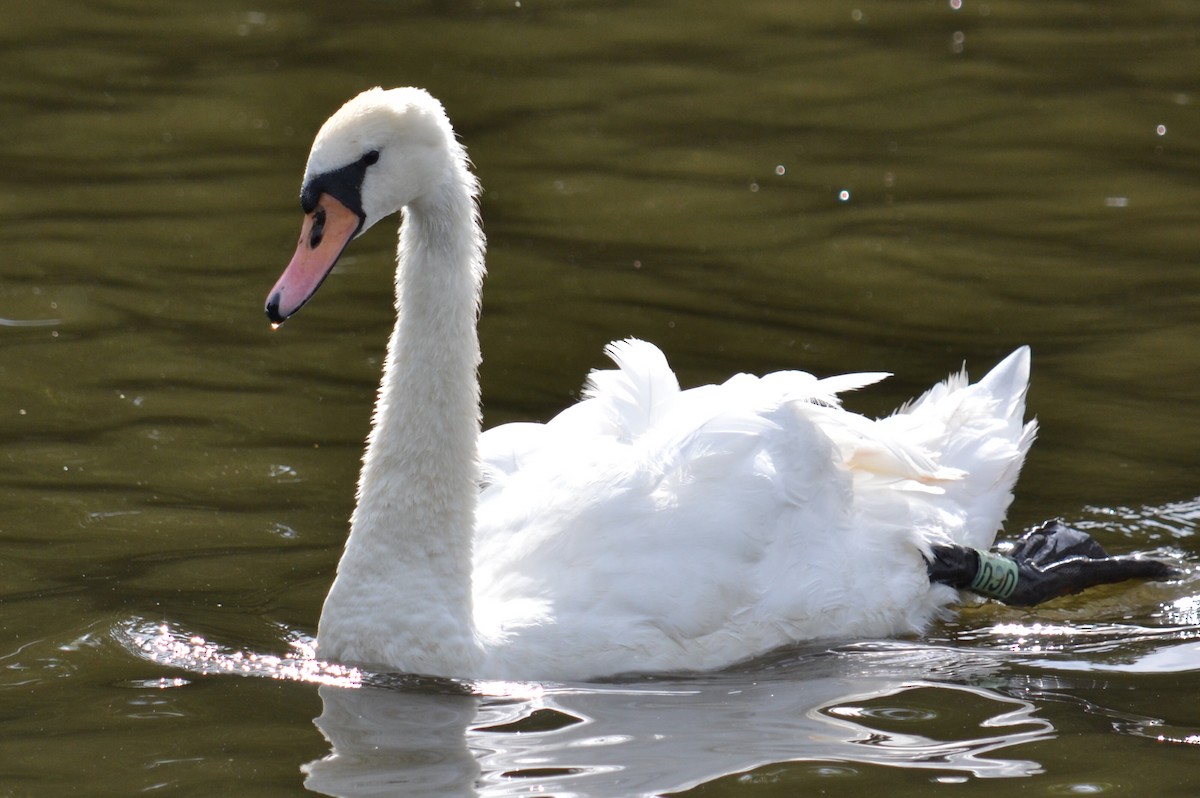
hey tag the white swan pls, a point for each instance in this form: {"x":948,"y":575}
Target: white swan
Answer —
{"x":644,"y":529}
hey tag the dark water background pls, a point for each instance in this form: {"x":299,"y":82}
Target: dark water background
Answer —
{"x":831,"y":186}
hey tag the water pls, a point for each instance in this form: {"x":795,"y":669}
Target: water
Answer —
{"x":752,"y":186}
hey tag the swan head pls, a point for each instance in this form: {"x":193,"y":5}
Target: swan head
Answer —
{"x":381,"y":151}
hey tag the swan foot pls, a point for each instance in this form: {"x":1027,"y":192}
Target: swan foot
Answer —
{"x":1048,"y":561}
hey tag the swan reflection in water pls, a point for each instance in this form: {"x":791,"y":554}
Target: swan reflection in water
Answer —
{"x":862,"y":704}
{"x":956,"y":712}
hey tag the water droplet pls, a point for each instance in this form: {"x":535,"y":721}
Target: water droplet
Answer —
{"x":753,"y":187}
{"x":1116,"y":202}
{"x":780,"y":170}
{"x":844,"y":195}
{"x":285,"y":531}
{"x":283,"y":473}
{"x":1161,"y":130}
{"x":955,"y":5}
{"x":1082,"y":789}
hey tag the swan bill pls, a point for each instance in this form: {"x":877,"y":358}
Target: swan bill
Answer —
{"x":323,"y":237}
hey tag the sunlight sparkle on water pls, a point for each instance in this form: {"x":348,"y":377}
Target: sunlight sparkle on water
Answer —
{"x":1191,"y":739}
{"x":1183,"y":611}
{"x":197,"y":655}
{"x":1021,"y":629}
{"x":1026,"y":637}
{"x":162,"y":645}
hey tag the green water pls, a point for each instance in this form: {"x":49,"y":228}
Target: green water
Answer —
{"x":753,"y":186}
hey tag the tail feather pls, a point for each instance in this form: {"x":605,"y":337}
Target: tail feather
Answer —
{"x":979,"y":429}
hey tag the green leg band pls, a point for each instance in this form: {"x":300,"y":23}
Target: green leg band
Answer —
{"x":996,"y":577}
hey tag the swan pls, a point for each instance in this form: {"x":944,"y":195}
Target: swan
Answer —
{"x":646,"y":528}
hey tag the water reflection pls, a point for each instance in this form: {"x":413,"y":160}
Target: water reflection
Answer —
{"x":650,"y":738}
{"x":893,"y":704}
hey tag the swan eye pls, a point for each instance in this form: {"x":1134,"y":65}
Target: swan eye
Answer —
{"x":318,"y":228}
{"x":371,"y":158}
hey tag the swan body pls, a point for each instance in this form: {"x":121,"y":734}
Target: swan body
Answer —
{"x":646,"y":528}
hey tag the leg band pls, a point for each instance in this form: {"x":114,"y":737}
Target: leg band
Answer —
{"x":996,"y":577}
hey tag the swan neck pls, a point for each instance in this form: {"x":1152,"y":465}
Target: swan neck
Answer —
{"x":410,"y":543}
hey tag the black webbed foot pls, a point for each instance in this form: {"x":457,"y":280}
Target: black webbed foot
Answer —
{"x":1048,"y":561}
{"x":1054,"y":560}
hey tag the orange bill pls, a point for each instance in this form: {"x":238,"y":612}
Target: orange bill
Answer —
{"x":325,"y":233}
